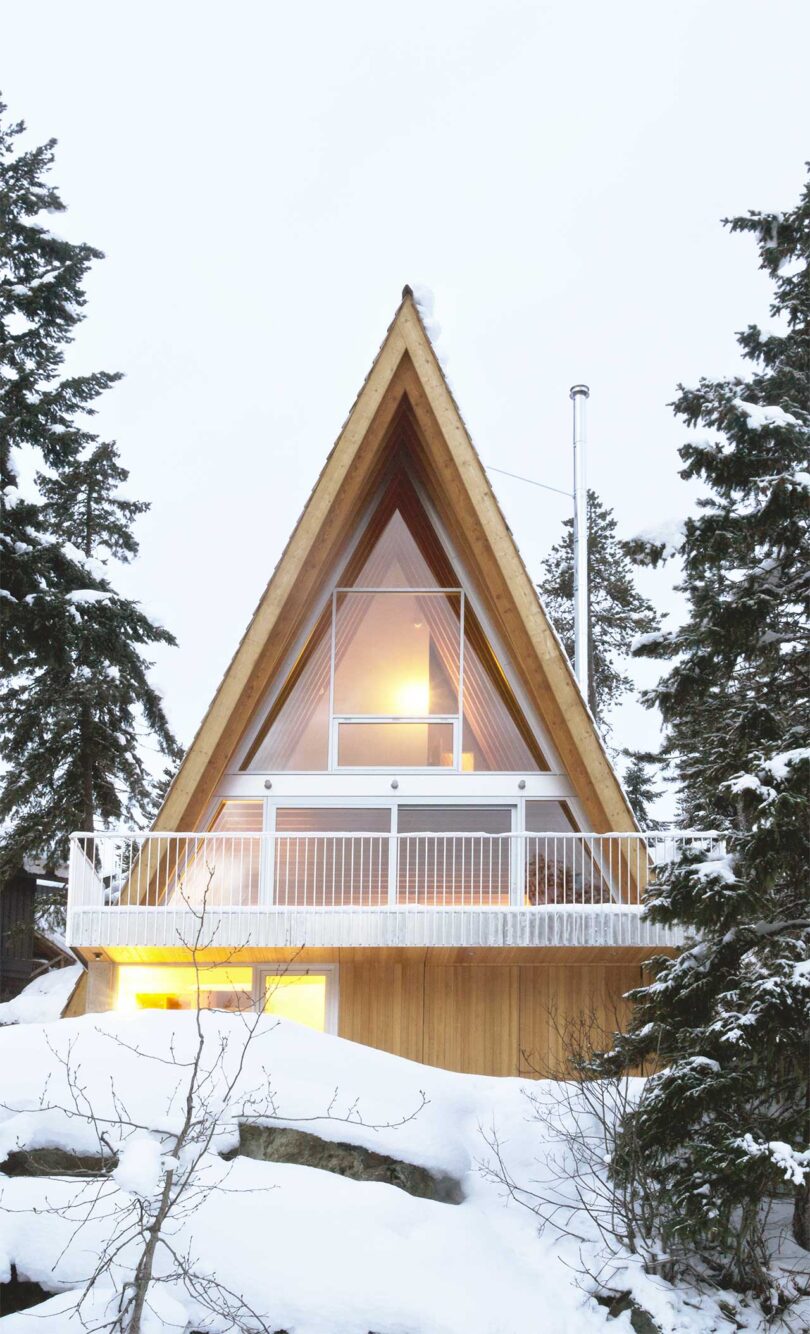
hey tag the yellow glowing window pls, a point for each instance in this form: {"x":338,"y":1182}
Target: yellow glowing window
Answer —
{"x":298,"y":996}
{"x":397,"y":653}
{"x":147,"y":987}
{"x":397,"y":672}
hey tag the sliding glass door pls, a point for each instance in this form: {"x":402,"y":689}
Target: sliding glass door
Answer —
{"x":454,"y":856}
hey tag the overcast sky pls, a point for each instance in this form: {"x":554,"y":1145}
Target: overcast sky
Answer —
{"x":263,"y":179}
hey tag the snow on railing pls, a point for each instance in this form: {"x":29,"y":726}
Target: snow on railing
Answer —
{"x":361,"y":888}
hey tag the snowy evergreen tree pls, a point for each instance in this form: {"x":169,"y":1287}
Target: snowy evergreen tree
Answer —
{"x":76,"y":701}
{"x":618,"y":613}
{"x":41,"y":303}
{"x":726,"y":1123}
{"x":638,"y":780}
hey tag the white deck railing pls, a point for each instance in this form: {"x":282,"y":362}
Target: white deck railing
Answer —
{"x":369,"y":889}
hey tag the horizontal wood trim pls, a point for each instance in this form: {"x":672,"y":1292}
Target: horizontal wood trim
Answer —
{"x":432,"y":957}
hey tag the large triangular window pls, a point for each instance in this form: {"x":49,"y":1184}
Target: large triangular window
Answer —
{"x":398,"y":672}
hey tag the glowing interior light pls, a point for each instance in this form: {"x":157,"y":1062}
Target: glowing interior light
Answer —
{"x":158,"y":987}
{"x":301,"y":997}
{"x":413,"y":699}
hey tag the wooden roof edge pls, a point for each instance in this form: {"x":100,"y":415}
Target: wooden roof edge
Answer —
{"x":495,"y":507}
{"x":166,"y":806}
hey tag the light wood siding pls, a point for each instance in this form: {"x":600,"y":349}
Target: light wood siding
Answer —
{"x":553,"y":997}
{"x":489,"y":1012}
{"x":382,"y":1005}
{"x":471,"y":1019}
{"x":77,"y":1000}
{"x":101,"y":988}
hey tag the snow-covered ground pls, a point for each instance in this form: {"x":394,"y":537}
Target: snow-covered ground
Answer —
{"x":312,"y":1252}
{"x":43,"y":999}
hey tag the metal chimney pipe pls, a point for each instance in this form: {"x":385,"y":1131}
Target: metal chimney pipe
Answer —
{"x":580,"y":394}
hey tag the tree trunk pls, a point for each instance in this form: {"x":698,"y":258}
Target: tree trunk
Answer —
{"x":88,"y":809}
{"x":143,"y":1273}
{"x":801,"y":1215}
{"x":801,"y":1200}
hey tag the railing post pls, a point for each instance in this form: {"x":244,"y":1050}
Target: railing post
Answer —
{"x":73,"y":870}
{"x":393,"y":868}
{"x":267,"y":867}
{"x":517,"y":872}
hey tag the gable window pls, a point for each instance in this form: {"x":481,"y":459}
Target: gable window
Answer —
{"x":396,"y":677}
{"x":398,"y":672}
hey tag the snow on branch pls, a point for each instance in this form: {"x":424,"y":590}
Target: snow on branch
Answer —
{"x":759,"y":415}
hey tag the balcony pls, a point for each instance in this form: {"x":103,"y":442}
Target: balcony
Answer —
{"x":332,"y":890}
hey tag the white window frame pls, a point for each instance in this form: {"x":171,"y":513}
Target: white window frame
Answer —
{"x":261,"y":971}
{"x":330,"y":971}
{"x":515,"y":806}
{"x":245,"y":782}
{"x":335,"y":719}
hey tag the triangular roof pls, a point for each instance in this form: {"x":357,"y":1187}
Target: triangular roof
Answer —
{"x":405,"y":395}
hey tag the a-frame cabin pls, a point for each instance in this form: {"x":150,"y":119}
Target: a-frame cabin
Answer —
{"x":397,"y":814}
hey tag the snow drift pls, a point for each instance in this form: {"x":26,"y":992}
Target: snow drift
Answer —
{"x":311,"y":1251}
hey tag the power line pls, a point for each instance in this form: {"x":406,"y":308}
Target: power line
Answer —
{"x":530,"y":480}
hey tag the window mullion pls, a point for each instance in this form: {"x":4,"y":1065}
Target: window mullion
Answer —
{"x":332,"y":757}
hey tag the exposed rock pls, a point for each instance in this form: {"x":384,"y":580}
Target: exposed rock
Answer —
{"x":55,"y":1163}
{"x":276,"y":1144}
{"x":641,"y":1321}
{"x":18,"y":1294}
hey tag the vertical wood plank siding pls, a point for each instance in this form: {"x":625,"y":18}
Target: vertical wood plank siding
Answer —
{"x":480,"y":1019}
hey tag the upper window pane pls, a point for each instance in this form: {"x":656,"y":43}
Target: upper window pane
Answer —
{"x":395,"y":745}
{"x":396,"y":560}
{"x":454,"y":819}
{"x":397,"y":654}
{"x":333,"y":820}
{"x":496,"y":737}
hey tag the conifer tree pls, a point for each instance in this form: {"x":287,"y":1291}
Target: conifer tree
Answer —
{"x":618,"y":613}
{"x":41,"y":303}
{"x":638,"y":780}
{"x":725,"y":1126}
{"x":76,"y":701}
